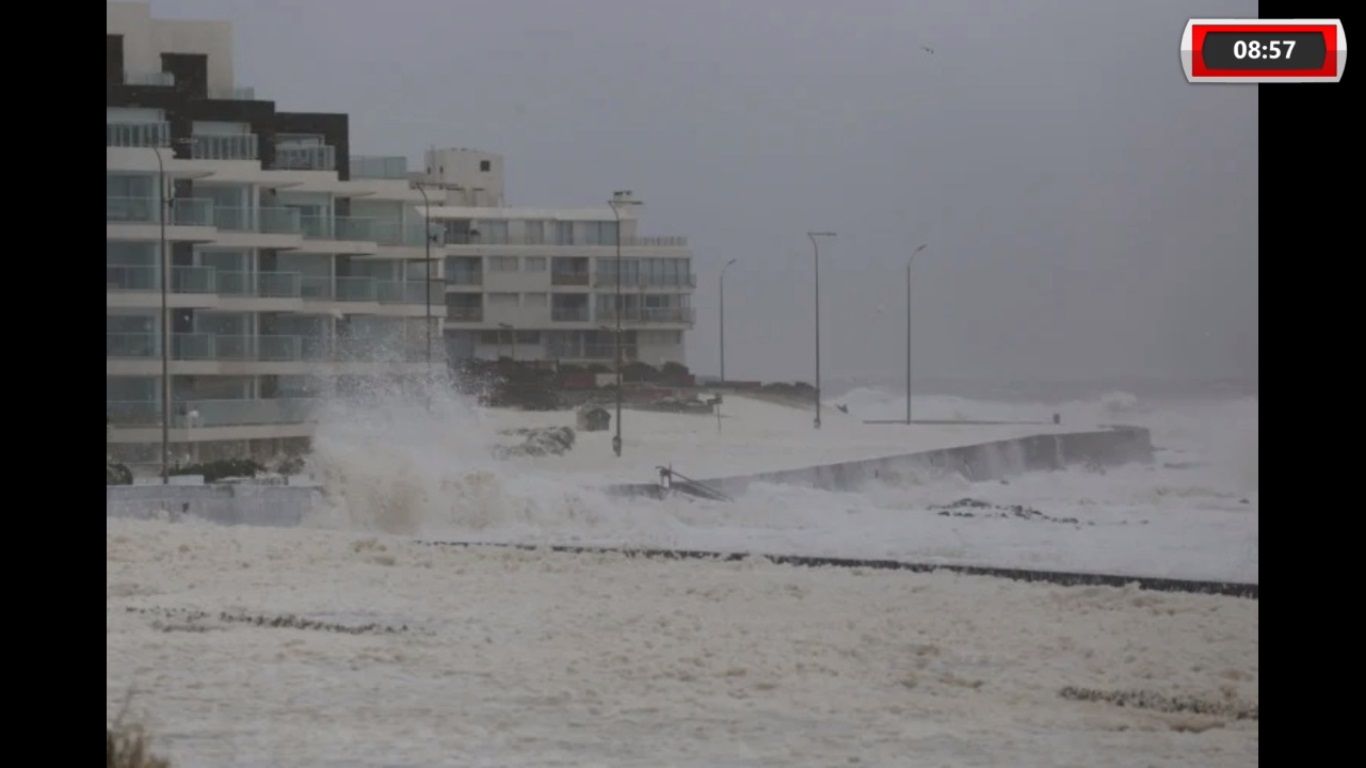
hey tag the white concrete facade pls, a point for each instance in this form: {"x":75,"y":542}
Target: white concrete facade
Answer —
{"x":288,"y":267}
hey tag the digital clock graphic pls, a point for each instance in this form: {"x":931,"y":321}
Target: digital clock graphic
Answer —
{"x":1264,"y":50}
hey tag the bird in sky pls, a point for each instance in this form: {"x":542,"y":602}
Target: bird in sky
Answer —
{"x":926,"y":49}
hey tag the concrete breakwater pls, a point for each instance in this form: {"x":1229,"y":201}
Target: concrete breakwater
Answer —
{"x":1112,"y":446}
{"x":287,"y":505}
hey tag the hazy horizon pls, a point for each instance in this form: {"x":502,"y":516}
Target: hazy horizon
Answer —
{"x":1089,"y":214}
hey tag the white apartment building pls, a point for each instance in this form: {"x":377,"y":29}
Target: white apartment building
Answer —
{"x":292,"y":266}
{"x":541,"y":283}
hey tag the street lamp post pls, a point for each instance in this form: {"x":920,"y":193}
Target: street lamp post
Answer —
{"x":909,"y":261}
{"x":427,"y":243}
{"x":722,"y":284}
{"x":619,"y":198}
{"x":165,"y":205}
{"x":817,"y":251}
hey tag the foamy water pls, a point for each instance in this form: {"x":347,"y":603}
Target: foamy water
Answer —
{"x":423,"y":465}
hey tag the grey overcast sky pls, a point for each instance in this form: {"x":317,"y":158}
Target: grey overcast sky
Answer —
{"x":1089,"y":214}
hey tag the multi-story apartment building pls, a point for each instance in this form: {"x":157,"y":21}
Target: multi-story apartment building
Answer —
{"x":290,"y":263}
{"x":541,"y":283}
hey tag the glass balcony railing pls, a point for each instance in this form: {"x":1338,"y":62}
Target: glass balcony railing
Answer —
{"x":131,"y":278}
{"x":464,"y":314}
{"x":212,"y":413}
{"x":569,"y":314}
{"x":278,"y":221}
{"x":339,"y":228}
{"x":185,"y":211}
{"x":648,"y":315}
{"x":130,"y":209}
{"x":266,"y":348}
{"x":278,"y":348}
{"x":191,"y":212}
{"x":409,"y":292}
{"x":193,"y":280}
{"x":317,"y":288}
{"x":388,"y":232}
{"x":239,"y":146}
{"x":305,"y":158}
{"x":278,"y":285}
{"x":152,"y":134}
{"x":358,"y":229}
{"x":357,"y":289}
{"x":608,"y":279}
{"x":464,"y":277}
{"x":375,"y":167}
{"x":569,"y":278}
{"x":232,"y":413}
{"x":144,"y":278}
{"x":266,"y":220}
{"x":132,"y":413}
{"x":130,"y":345}
{"x":316,"y":227}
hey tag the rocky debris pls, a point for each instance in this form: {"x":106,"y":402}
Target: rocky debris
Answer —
{"x":1229,"y":707}
{"x":191,"y":620}
{"x":979,"y":508}
{"x":593,"y":418}
{"x":540,"y":441}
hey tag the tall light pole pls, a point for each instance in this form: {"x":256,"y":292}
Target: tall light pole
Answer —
{"x":619,"y":198}
{"x":427,"y":242}
{"x":722,"y":283}
{"x":909,"y":261}
{"x":165,"y":205}
{"x":817,"y":251}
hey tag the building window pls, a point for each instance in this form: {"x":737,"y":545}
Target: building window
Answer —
{"x":494,"y":232}
{"x":502,"y":300}
{"x":535,"y":232}
{"x":528,"y":337}
{"x":502,"y":263}
{"x":564,"y":233}
{"x":535,"y":264}
{"x":535,"y":300}
{"x":485,"y":166}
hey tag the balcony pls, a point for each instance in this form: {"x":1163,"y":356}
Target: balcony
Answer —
{"x":357,"y":289}
{"x":305,"y":158}
{"x":265,"y":285}
{"x":241,"y":146}
{"x":144,"y":278}
{"x":409,"y":292}
{"x":464,"y":314}
{"x":213,"y":413}
{"x":465,"y":277}
{"x":240,"y":348}
{"x":416,"y":234}
{"x":340,"y":228}
{"x":265,"y":220}
{"x":154,"y":134}
{"x":569,"y":314}
{"x":569,"y":278}
{"x":609,"y":280}
{"x":130,"y":345}
{"x":376,"y":167}
{"x":185,"y":211}
{"x":670,"y":315}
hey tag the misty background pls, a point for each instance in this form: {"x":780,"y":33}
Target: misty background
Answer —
{"x":1090,"y":215}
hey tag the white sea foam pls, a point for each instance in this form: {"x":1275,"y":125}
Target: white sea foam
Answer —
{"x":422,"y":464}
